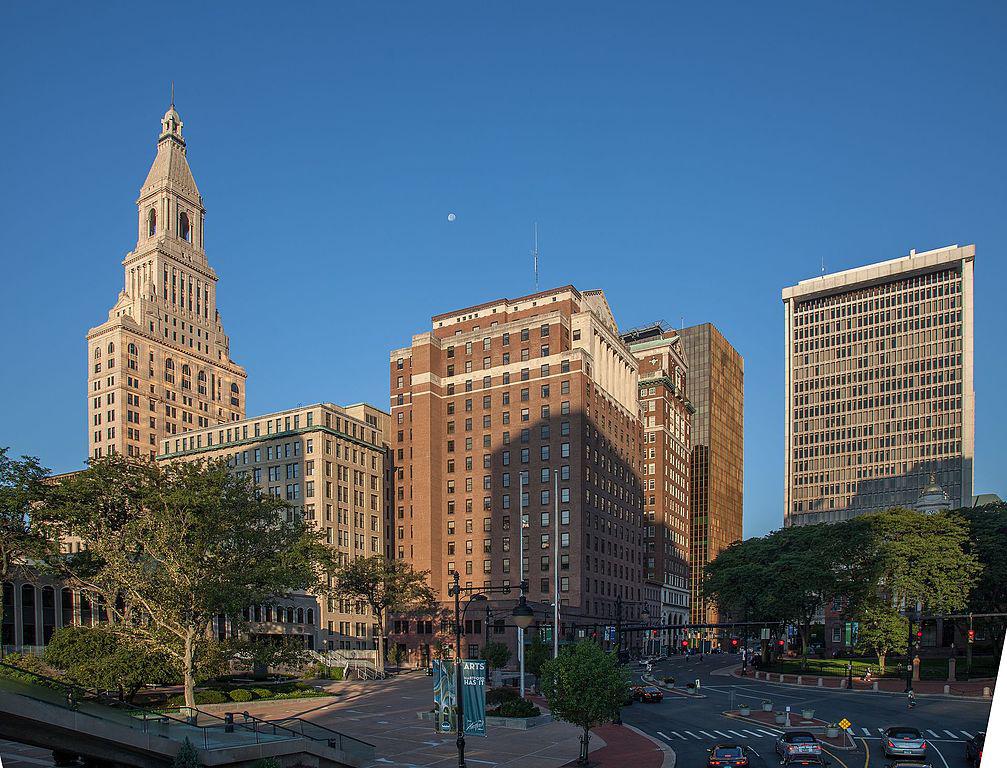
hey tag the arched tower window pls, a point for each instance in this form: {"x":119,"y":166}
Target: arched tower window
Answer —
{"x":151,"y":222}
{"x":184,"y":227}
{"x":234,"y":394}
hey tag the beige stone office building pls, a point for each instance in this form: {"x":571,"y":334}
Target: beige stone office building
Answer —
{"x":331,"y":464}
{"x":879,"y":386}
{"x":161,"y":364}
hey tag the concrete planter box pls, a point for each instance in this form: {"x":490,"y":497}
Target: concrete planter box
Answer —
{"x":831,"y":732}
{"x":517,"y":723}
{"x":767,"y":706}
{"x":808,"y":714}
{"x":781,"y":718}
{"x":745,"y":710}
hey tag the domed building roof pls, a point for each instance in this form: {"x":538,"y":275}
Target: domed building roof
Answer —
{"x":933,"y":498}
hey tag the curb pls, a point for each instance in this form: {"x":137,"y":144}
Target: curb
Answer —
{"x":952,"y":696}
{"x":676,"y":691}
{"x":670,"y":758}
{"x":783,"y":728}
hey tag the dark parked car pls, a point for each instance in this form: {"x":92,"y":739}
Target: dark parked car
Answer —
{"x":727,"y":756}
{"x":648,"y":693}
{"x":974,"y":749}
{"x":797,"y":743}
{"x":901,"y":741}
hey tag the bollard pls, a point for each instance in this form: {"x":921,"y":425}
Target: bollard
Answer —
{"x":228,"y":722}
{"x":987,"y":693}
{"x":947,"y":689}
{"x":799,"y":680}
{"x":875,"y":685}
{"x":819,"y":682}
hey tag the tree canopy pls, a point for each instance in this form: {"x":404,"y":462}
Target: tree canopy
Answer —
{"x":585,"y":686}
{"x":169,"y":546}
{"x":387,"y":586}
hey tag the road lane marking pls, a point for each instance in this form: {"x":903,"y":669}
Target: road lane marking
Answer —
{"x":866,"y":732}
{"x":677,"y":734}
{"x":697,"y":737}
{"x":755,"y":734}
{"x":882,"y":731}
{"x":708,"y":735}
{"x":969,"y":735}
{"x":933,"y":733}
{"x":770,"y":733}
{"x":867,"y":753}
{"x":726,"y":736}
{"x":941,"y":755}
{"x":952,"y":734}
{"x":664,"y":735}
{"x":743,"y":736}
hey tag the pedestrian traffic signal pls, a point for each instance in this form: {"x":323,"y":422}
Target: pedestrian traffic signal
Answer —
{"x":972,"y":635}
{"x":685,"y":643}
{"x":734,"y":643}
{"x":780,"y":643}
{"x":653,"y":633}
{"x":919,"y":635}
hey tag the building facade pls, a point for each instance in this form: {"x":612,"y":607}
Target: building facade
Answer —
{"x":330,"y":463}
{"x":879,"y":386}
{"x":521,"y":408}
{"x":161,"y":364}
{"x":666,"y":415}
{"x":716,"y":388}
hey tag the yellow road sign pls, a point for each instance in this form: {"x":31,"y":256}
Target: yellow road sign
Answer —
{"x":845,"y":724}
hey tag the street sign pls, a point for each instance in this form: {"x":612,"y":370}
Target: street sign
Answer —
{"x":474,"y":696}
{"x":765,"y":633}
{"x":845,"y":724}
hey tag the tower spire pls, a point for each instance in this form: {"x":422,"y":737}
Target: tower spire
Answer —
{"x":172,"y":94}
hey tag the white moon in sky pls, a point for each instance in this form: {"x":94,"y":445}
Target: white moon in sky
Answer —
{"x":451,"y":217}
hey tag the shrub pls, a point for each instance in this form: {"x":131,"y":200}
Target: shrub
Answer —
{"x":202,"y":697}
{"x":262,"y":693}
{"x":500,"y":695}
{"x":267,"y":762}
{"x":241,"y":694}
{"x":186,"y":757}
{"x":517,"y":708}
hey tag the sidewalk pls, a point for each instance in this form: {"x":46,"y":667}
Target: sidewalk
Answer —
{"x":626,"y":746}
{"x":970,"y":689}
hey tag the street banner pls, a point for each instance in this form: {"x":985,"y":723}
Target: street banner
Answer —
{"x":474,"y":697}
{"x":444,"y":696}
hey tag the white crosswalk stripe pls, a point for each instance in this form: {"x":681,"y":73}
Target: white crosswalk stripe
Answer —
{"x":677,"y":734}
{"x":952,"y":734}
{"x":709,"y":735}
{"x":741,"y":735}
{"x":967,"y":734}
{"x":694,"y":735}
{"x":866,"y":732}
{"x":756,"y":735}
{"x":664,"y":735}
{"x":933,"y":733}
{"x":722,"y":734}
{"x":770,"y":733}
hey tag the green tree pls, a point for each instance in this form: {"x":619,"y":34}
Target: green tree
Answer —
{"x":23,"y":543}
{"x":536,"y":654}
{"x":496,"y":654}
{"x":169,"y":546}
{"x":187,"y":756}
{"x":925,"y":558}
{"x":987,"y":527}
{"x":387,"y":586}
{"x":585,"y":686}
{"x":882,"y":629}
{"x":98,"y":657}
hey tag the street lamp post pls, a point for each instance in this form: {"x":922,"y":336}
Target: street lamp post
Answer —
{"x":523,"y":617}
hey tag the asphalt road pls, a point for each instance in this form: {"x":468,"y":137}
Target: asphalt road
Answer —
{"x":691,"y":725}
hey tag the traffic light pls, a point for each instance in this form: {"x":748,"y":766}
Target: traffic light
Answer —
{"x":780,"y":644}
{"x":972,"y":635}
{"x":685,"y":643}
{"x":653,"y":633}
{"x":919,"y":635}
{"x":734,"y":643}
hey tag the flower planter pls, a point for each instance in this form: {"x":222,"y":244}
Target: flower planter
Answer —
{"x":808,"y":714}
{"x":832,"y":732}
{"x":781,"y":718}
{"x":745,"y":710}
{"x":767,"y":706}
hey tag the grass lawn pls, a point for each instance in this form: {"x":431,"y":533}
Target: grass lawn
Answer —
{"x":930,"y":669}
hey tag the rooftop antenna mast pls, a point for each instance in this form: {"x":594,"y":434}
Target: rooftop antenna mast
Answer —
{"x":534,"y":253}
{"x":823,"y":264}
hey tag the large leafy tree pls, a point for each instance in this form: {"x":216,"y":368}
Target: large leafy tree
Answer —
{"x":23,"y":542}
{"x":585,"y":686}
{"x":925,"y":558}
{"x":97,"y":657}
{"x":387,"y":586}
{"x":987,"y":527}
{"x":496,"y":654}
{"x":168,"y":546}
{"x":882,"y":629}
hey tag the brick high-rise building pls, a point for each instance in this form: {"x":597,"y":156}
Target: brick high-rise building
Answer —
{"x":879,"y":386}
{"x":715,"y":386}
{"x":331,"y":464}
{"x":161,"y":364}
{"x":511,"y":389}
{"x":666,"y":414}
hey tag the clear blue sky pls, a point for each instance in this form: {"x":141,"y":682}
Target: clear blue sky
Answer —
{"x":689,"y":161}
